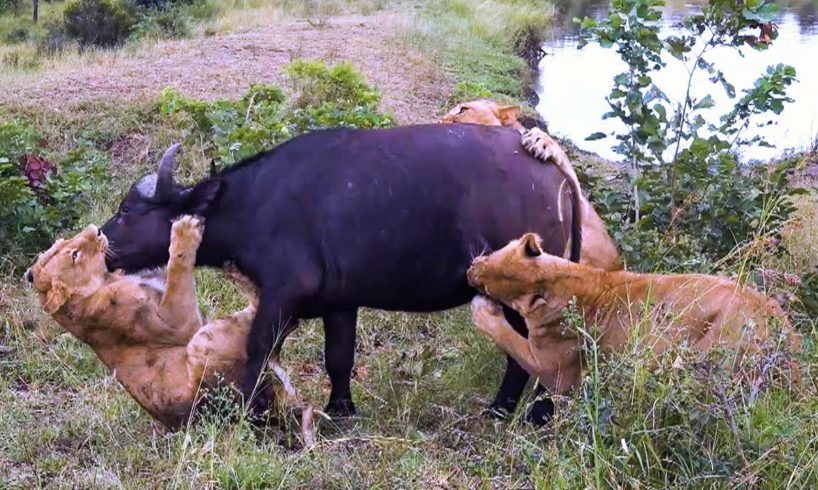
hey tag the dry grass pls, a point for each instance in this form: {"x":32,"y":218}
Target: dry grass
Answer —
{"x":225,"y":65}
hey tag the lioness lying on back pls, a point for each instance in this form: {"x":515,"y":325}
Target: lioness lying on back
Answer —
{"x":148,"y":331}
{"x":704,"y":311}
{"x":598,"y":249}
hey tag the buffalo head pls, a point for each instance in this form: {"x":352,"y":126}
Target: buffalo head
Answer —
{"x":139,"y":232}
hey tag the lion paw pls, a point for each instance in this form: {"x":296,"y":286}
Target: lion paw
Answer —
{"x":185,"y":236}
{"x":485,"y":313}
{"x":539,"y":143}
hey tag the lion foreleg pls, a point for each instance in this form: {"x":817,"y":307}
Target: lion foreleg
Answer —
{"x":179,"y":305}
{"x":488,"y":318}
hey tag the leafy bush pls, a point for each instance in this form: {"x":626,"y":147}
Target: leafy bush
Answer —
{"x":262,"y":118}
{"x":314,"y":83}
{"x":99,"y":22}
{"x":31,"y":215}
{"x":690,"y":197}
{"x":171,"y":19}
{"x":10,"y":5}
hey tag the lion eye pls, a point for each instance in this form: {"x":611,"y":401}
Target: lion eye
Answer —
{"x":463,"y":109}
{"x":75,"y":255}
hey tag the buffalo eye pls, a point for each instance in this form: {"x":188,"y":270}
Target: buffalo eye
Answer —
{"x":124,"y":210}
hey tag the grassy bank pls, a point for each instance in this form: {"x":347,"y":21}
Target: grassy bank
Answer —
{"x":484,"y":45}
{"x":421,"y":381}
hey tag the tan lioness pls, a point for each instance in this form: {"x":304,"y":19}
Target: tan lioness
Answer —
{"x":598,"y":249}
{"x":147,"y":330}
{"x":703,"y":311}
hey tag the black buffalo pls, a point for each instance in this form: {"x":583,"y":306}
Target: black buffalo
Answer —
{"x":339,"y":219}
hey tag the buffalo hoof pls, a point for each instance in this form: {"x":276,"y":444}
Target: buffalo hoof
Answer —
{"x":497,"y":413}
{"x":340,"y":408}
{"x":502,"y":408}
{"x":541,"y":412}
{"x":260,"y":403}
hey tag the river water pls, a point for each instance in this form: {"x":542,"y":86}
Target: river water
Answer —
{"x":573,"y":83}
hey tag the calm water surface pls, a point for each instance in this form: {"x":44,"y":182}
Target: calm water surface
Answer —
{"x":573,"y":83}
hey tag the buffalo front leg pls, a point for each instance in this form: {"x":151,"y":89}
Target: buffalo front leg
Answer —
{"x":339,"y":357}
{"x":515,"y":377}
{"x":274,"y":319}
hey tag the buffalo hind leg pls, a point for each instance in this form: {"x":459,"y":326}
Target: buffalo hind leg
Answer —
{"x":514,"y":382}
{"x":339,"y":357}
{"x":515,"y":378}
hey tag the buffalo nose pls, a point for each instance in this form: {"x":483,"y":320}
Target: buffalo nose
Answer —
{"x":29,"y":276}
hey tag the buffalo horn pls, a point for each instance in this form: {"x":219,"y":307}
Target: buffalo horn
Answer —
{"x":164,"y":181}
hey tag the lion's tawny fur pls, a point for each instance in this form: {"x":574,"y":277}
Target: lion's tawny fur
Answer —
{"x":702,"y":310}
{"x":155,"y":342}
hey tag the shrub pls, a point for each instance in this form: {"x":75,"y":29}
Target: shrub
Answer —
{"x":171,"y":19}
{"x":314,"y":83}
{"x":35,"y":205}
{"x":99,"y":22}
{"x":262,"y":118}
{"x":690,"y":196}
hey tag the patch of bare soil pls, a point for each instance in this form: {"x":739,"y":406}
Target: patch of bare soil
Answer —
{"x":224,"y":66}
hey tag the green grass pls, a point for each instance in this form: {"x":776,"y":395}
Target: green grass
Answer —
{"x":476,"y":42}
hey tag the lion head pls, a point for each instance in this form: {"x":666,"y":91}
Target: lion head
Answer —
{"x":484,"y":112}
{"x":522,"y":276}
{"x":70,"y":267}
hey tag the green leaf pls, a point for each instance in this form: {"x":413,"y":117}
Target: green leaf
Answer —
{"x":596,"y":136}
{"x":764,"y":14}
{"x":706,"y":103}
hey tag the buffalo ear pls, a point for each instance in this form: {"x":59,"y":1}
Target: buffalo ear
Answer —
{"x":199,"y":199}
{"x":56,"y":296}
{"x":508,"y":114}
{"x":532,"y":245}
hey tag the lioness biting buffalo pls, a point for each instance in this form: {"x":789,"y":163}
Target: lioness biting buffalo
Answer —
{"x":329,"y":222}
{"x":702,"y":311}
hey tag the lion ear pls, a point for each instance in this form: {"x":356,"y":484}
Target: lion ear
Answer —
{"x":56,"y":296}
{"x":508,"y":114}
{"x":532,"y":245}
